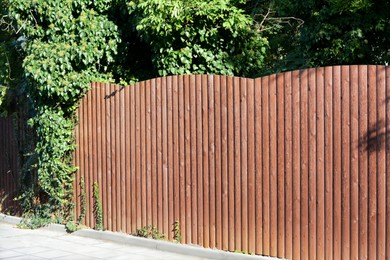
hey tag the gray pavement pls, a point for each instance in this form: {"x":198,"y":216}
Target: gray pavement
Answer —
{"x":27,"y":244}
{"x":53,"y":242}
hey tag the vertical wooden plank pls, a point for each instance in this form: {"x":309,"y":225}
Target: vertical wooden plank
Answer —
{"x":218,"y":176}
{"x":117,"y":187}
{"x":91,"y":143}
{"x":273,"y":171}
{"x":128,"y":173}
{"x":230,"y":129}
{"x":187,"y":127}
{"x":98,"y":141}
{"x":251,"y":168}
{"x":199,"y":149}
{"x":109,"y":116}
{"x":304,"y":165}
{"x":133,"y":160}
{"x":103,"y":151}
{"x":266,"y":158}
{"x":281,"y":215}
{"x":176,"y":162}
{"x":224,"y":166}
{"x":115,"y":156}
{"x":345,"y":163}
{"x":258,"y":166}
{"x":194,"y":197}
{"x":354,"y":103}
{"x":288,"y":153}
{"x":328,"y":163}
{"x":153,"y":123}
{"x":143,"y":153}
{"x":206,"y":174}
{"x":211,"y":152}
{"x":381,"y":167}
{"x":182,"y":160}
{"x":320,"y":184}
{"x":148,"y":139}
{"x":296,"y":165}
{"x":159,"y":153}
{"x":138,"y":157}
{"x":312,"y":131}
{"x":337,"y":163}
{"x":363,"y":163}
{"x":372,"y":147}
{"x":165,"y":172}
{"x":89,"y":178}
{"x":170,"y":158}
{"x":237,"y":165}
{"x":122,"y":183}
{"x":244,"y":164}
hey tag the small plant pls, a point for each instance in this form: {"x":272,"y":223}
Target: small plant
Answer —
{"x":97,"y":207}
{"x":72,"y":226}
{"x":83,"y":201}
{"x":149,"y":232}
{"x":176,"y":231}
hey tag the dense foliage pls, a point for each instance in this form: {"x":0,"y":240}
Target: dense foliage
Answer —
{"x":62,"y":46}
{"x":329,"y":32}
{"x":201,"y":36}
{"x":50,"y":50}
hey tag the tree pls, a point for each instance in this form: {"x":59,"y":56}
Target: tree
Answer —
{"x":334,"y":32}
{"x":200,"y":36}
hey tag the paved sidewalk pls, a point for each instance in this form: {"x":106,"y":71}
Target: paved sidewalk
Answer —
{"x":46,"y":244}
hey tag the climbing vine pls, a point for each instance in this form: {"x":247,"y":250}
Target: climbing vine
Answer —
{"x":64,"y":46}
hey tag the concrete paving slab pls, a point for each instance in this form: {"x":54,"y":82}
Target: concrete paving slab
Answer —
{"x":55,"y":243}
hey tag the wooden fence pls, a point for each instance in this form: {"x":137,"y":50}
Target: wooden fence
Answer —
{"x":293,"y":165}
{"x":9,"y":175}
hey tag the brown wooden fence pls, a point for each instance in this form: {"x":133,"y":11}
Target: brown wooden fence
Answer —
{"x":292,"y":165}
{"x":9,"y":176}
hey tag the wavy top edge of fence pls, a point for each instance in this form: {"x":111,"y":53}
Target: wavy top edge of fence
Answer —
{"x":229,"y":77}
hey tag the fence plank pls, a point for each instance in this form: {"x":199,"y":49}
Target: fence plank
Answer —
{"x":354,"y":103}
{"x":296,"y":166}
{"x":199,"y":150}
{"x":170,"y":159}
{"x":320,"y":185}
{"x":165,"y":171}
{"x":224,"y":166}
{"x":218,"y":173}
{"x":345,"y":163}
{"x":251,"y":168}
{"x":363,"y":163}
{"x":258,"y":167}
{"x":281,"y":216}
{"x":381,"y":166}
{"x":372,"y":148}
{"x":194,"y":159}
{"x":148,"y":146}
{"x":288,"y":155}
{"x":312,"y":167}
{"x":230,"y":129}
{"x":206,"y":173}
{"x":328,"y":163}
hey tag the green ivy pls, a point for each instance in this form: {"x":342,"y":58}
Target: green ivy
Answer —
{"x":64,"y":45}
